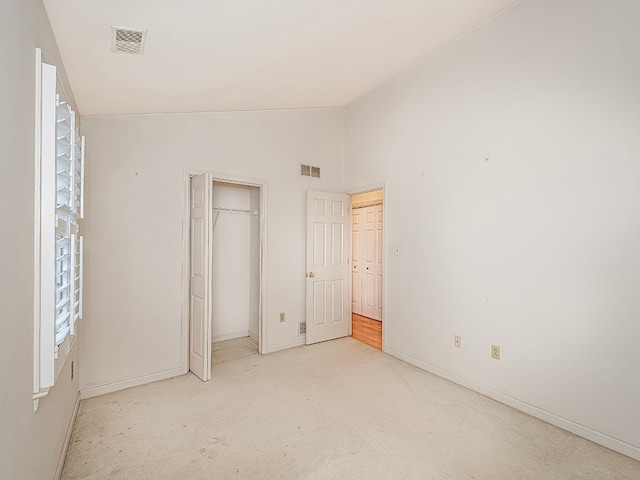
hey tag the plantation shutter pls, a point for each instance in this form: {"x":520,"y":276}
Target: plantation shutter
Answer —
{"x":65,"y":220}
{"x":61,"y":208}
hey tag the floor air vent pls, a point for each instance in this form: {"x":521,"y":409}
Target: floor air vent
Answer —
{"x":302,"y":328}
{"x":127,"y":40}
{"x":309,"y":171}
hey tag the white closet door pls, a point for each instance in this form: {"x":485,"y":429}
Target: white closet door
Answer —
{"x":200,"y":289}
{"x":379,"y":261}
{"x":371,"y":283}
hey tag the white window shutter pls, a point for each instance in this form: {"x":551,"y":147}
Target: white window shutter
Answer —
{"x":64,"y":158}
{"x":48,"y":227}
{"x":82,"y":177}
{"x":60,"y":207}
{"x":64,"y":287}
{"x":67,"y":223}
{"x":76,"y":299}
{"x":80,"y":274}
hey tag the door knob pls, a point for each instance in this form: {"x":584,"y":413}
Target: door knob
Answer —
{"x":311,"y":274}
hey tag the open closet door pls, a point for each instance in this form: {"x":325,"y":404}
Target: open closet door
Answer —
{"x":327,"y":290}
{"x":200,"y":284}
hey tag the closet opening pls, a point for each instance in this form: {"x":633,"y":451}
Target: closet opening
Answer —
{"x":223,"y":272}
{"x":367,"y":264}
{"x":235,"y":271}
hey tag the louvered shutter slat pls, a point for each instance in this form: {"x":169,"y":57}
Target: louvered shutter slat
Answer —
{"x":63,"y":319}
{"x":61,"y":334}
{"x":62,"y":303}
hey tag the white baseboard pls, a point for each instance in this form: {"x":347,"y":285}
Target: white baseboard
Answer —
{"x":133,"y":382}
{"x":284,"y":346}
{"x":230,"y":336}
{"x":560,"y":422}
{"x":253,"y":337}
{"x":67,"y":439}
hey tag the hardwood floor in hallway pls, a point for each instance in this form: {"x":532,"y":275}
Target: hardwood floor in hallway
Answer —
{"x":366,"y":330}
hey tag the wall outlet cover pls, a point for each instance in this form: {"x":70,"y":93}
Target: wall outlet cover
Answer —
{"x":495,"y":352}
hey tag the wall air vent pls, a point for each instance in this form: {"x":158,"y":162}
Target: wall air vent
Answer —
{"x":302,"y":328}
{"x":127,"y":40}
{"x":309,"y":171}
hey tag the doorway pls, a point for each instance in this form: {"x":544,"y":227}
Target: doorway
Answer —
{"x":224,"y":274}
{"x":235,"y":280}
{"x":367,"y":264}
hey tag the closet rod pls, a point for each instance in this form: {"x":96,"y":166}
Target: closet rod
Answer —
{"x":234,"y":210}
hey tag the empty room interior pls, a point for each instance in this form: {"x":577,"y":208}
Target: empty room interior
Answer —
{"x":310,"y":240}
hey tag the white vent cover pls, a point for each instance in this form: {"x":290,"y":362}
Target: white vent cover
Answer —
{"x":302,"y":328}
{"x":128,"y":40}
{"x":309,"y":171}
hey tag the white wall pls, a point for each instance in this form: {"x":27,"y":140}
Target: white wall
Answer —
{"x":30,"y":443}
{"x":511,"y":161}
{"x":133,"y":233}
{"x":231,"y":267}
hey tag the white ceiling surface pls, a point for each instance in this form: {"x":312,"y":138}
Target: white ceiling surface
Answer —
{"x":223,"y":55}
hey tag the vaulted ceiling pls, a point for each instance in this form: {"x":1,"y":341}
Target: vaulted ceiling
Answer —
{"x":222,"y":55}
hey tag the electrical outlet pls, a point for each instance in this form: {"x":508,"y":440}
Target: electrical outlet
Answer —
{"x":457,"y":341}
{"x":495,"y":352}
{"x":281,"y":317}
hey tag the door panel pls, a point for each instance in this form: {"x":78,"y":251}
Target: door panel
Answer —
{"x":319,"y":303}
{"x":369,"y":296}
{"x":200,"y":282}
{"x":337,"y":245}
{"x":319,"y":247}
{"x":327,"y":266}
{"x":337,"y":301}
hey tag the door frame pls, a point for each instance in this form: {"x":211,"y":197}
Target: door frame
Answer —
{"x":261,"y":184}
{"x":385,"y":256}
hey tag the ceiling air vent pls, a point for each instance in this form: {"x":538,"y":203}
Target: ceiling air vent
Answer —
{"x":127,"y":40}
{"x":309,"y":171}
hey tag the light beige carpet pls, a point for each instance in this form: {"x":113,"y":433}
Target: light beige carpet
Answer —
{"x":336,"y":410}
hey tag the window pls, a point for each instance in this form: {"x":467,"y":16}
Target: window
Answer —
{"x":58,"y":243}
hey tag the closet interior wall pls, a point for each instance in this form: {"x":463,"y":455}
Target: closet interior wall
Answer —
{"x":236,"y":252}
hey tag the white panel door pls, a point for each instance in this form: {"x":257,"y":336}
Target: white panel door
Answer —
{"x":327,"y":290}
{"x":371,"y":270}
{"x":200,"y":285}
{"x":357,"y":264}
{"x":379,"y":260}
